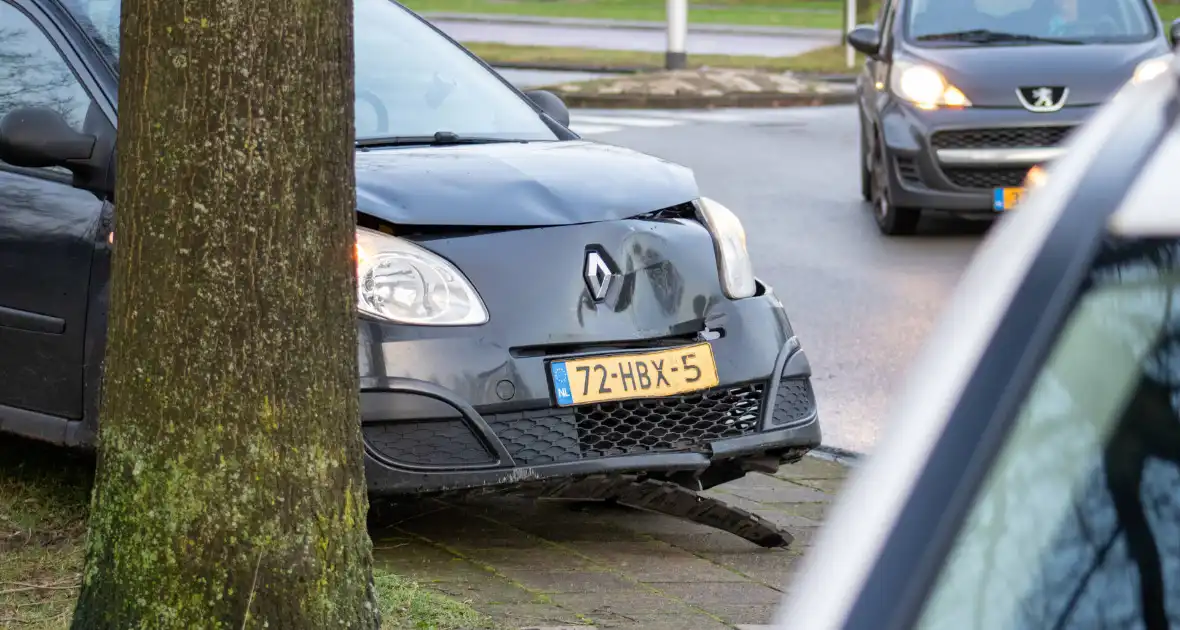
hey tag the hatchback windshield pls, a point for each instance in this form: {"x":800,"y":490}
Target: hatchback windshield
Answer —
{"x":410,"y":81}
{"x":991,"y":22}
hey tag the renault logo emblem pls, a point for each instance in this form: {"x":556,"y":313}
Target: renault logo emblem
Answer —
{"x":599,"y":273}
{"x":1042,"y":99}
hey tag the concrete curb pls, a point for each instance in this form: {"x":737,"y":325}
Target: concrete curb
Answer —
{"x":734,"y":29}
{"x":647,"y":101}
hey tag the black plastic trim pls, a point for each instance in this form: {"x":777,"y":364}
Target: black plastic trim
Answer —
{"x":32,"y":322}
{"x":475,"y":422}
{"x":786,"y":356}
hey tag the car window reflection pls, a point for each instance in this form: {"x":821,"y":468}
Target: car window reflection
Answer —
{"x":410,"y":81}
{"x":1076,"y":525}
{"x":33,"y":73}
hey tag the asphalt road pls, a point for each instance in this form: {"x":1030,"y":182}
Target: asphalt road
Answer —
{"x":861,"y":303}
{"x":650,"y":40}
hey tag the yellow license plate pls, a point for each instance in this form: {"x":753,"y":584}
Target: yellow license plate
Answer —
{"x":1006,"y":198}
{"x":637,"y":375}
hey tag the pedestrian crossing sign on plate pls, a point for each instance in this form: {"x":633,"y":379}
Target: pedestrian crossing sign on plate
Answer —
{"x":1006,"y":198}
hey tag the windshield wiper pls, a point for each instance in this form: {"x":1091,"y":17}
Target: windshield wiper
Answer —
{"x":440,"y":138}
{"x":985,"y":36}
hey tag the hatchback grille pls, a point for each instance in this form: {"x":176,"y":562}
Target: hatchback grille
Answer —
{"x":668,"y":424}
{"x":632,"y":427}
{"x":986,"y":178}
{"x":1000,"y":138}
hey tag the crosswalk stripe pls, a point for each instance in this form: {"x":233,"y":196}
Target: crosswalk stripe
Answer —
{"x":628,"y":122}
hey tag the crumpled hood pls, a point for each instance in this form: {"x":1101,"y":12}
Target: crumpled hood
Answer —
{"x":514,"y":184}
{"x":990,"y":75}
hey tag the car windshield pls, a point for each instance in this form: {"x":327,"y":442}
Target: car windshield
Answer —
{"x":1077,"y":524}
{"x":1008,"y":22}
{"x":410,"y":81}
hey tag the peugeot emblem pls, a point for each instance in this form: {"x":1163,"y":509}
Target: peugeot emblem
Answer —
{"x":1042,"y":99}
{"x":599,"y":273}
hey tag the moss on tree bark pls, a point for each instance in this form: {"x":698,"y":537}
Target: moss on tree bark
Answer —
{"x":230,"y":490}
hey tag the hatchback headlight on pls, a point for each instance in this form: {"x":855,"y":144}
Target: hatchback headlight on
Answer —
{"x":729,"y":241}
{"x":401,"y":282}
{"x":1151,"y":68}
{"x":924,"y":86}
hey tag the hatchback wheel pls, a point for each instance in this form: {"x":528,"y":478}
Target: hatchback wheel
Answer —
{"x":891,"y":219}
{"x":866,"y":173}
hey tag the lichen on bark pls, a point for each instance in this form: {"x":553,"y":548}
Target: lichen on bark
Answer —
{"x":230,"y":489}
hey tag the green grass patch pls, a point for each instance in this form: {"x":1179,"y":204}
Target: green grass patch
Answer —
{"x":801,"y":14}
{"x":44,"y":496}
{"x":824,"y":60}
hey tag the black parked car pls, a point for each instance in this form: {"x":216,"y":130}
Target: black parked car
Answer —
{"x":1030,"y":476}
{"x":549,"y":307}
{"x":959,"y":99}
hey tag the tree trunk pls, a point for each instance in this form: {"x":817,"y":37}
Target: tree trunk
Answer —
{"x":230,"y":490}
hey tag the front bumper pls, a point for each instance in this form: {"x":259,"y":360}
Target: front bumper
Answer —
{"x":952,"y":160}
{"x":495,"y":423}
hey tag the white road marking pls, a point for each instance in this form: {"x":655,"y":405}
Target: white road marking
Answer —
{"x":628,"y":121}
{"x":590,"y":130}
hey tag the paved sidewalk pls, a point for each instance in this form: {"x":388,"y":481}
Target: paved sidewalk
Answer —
{"x":548,"y":564}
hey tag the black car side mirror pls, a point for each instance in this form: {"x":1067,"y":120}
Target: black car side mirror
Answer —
{"x":865,"y":39}
{"x":551,"y":104}
{"x":1174,"y":32}
{"x":37,"y":137}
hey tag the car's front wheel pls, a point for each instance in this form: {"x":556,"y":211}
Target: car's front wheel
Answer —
{"x":866,"y":173}
{"x":891,"y":219}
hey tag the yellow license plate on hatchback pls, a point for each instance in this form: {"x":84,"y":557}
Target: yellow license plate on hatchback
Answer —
{"x":635,"y":375}
{"x":1006,"y":198}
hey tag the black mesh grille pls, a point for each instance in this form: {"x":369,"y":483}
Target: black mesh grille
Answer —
{"x":538,"y":437}
{"x":986,"y":178}
{"x":668,"y":424}
{"x":1008,"y":137}
{"x":794,"y":401}
{"x":433,"y":442}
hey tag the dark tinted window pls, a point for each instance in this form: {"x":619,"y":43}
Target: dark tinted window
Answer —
{"x":1085,"y":20}
{"x":1078,"y":522}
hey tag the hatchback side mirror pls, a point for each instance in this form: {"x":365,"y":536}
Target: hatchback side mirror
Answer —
{"x":1174,"y":32}
{"x":865,"y":39}
{"x":37,"y":137}
{"x":551,"y":104}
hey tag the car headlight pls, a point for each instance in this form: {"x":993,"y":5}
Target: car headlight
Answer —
{"x":1149,"y":69}
{"x":729,"y":241}
{"x":1035,"y":178}
{"x":401,"y":282}
{"x":924,"y":86}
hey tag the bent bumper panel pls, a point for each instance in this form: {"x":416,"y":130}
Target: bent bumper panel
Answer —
{"x":468,"y":449}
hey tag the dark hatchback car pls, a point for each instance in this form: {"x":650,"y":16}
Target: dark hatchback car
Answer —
{"x":960,"y":99}
{"x":1030,"y":475}
{"x":548,"y":307}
